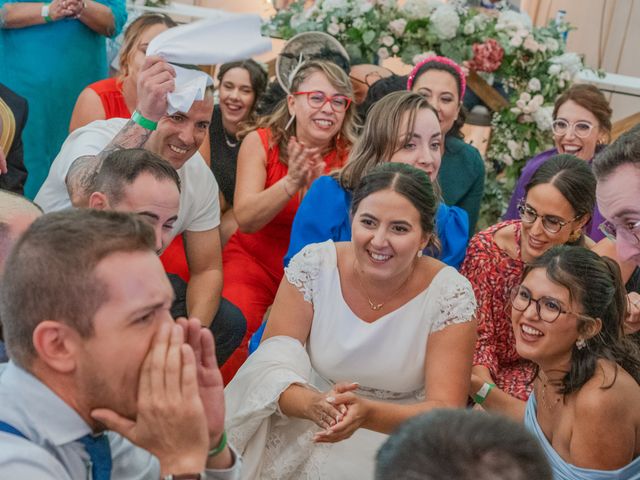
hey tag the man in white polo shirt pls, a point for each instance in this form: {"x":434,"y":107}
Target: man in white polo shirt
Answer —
{"x":176,"y":138}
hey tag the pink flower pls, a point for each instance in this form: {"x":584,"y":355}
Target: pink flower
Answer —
{"x":487,"y":56}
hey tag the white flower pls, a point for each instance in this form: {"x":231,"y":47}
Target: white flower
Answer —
{"x":445,"y":22}
{"x":531,"y":44}
{"x":543,"y":118}
{"x":534,"y":85}
{"x":570,"y":62}
{"x":397,"y":26}
{"x":515,"y":149}
{"x":506,"y":159}
{"x":554,"y":69}
{"x":469,"y":28}
{"x":383,"y":53}
{"x":515,"y":41}
{"x":511,"y":20}
{"x":387,"y":40}
{"x":333,"y":29}
{"x":342,"y":27}
{"x":552,"y":44}
{"x":359,"y":23}
{"x":419,"y":8}
{"x":395,"y":49}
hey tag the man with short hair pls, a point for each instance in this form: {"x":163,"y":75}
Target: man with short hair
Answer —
{"x":461,"y":445}
{"x":16,"y":214}
{"x":176,"y":138}
{"x":617,"y":169}
{"x":141,"y":182}
{"x":93,"y":348}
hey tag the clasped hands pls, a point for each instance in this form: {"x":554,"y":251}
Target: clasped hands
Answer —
{"x":180,"y":402}
{"x":59,"y":9}
{"x":339,"y":412}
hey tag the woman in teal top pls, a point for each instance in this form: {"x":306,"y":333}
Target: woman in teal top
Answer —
{"x":442,"y":82}
{"x":567,"y":317}
{"x":401,"y":127}
{"x":48,"y":53}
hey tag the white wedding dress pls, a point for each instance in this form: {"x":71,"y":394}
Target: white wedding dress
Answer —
{"x":385,"y":357}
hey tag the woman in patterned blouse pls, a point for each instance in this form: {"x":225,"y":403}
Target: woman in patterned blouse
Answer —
{"x":559,"y":200}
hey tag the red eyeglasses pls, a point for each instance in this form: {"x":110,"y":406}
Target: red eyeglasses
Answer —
{"x":316,"y":99}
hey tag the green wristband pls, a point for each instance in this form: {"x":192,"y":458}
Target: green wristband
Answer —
{"x":143,"y":122}
{"x":482,"y":394}
{"x":221,"y":446}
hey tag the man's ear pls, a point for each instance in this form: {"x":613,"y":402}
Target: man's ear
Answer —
{"x":99,"y":201}
{"x":56,"y":344}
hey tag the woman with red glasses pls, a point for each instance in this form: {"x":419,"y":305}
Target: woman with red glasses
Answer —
{"x":581,"y":127}
{"x":309,"y":134}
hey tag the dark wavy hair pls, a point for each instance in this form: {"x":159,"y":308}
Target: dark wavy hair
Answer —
{"x":593,"y":282}
{"x":410,"y":182}
{"x":257,"y":76}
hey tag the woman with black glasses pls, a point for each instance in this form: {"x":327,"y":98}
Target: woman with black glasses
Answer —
{"x":558,"y":202}
{"x":581,"y":127}
{"x":568,"y":316}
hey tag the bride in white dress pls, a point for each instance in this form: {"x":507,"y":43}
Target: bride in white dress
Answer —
{"x":372,"y":311}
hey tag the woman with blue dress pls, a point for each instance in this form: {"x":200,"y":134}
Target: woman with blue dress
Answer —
{"x":567,"y":317}
{"x":403,"y":128}
{"x":49,"y":52}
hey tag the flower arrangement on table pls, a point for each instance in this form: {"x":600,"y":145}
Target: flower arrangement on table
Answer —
{"x":530,"y":61}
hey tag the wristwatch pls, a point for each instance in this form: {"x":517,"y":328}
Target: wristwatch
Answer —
{"x":44,"y":13}
{"x":186,"y":476}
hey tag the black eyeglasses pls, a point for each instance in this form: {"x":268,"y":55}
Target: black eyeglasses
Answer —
{"x":547,"y":308}
{"x":550,"y":223}
{"x":611,"y":231}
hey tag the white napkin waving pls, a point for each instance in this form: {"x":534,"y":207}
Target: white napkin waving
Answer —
{"x":226,"y":37}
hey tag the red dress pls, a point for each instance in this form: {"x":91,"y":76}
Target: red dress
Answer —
{"x":252,"y":262}
{"x":110,"y":92}
{"x":493,"y":273}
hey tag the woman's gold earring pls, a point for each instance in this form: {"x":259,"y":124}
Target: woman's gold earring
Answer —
{"x":575,"y":236}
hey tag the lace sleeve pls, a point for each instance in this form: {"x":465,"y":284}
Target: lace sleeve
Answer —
{"x":456,"y":303}
{"x":303,"y":270}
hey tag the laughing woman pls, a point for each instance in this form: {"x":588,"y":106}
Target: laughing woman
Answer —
{"x":363,"y":335}
{"x":568,"y":315}
{"x":558,"y":203}
{"x":309,"y":134}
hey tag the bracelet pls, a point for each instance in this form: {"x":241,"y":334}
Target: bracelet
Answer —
{"x":143,"y":122}
{"x":44,"y":13}
{"x":221,"y":446}
{"x":482,"y":394}
{"x":284,"y":186}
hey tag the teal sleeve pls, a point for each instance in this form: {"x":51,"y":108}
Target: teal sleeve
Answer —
{"x":119,"y":11}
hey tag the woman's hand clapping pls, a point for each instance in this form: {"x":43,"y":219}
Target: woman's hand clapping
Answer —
{"x":305,"y":164}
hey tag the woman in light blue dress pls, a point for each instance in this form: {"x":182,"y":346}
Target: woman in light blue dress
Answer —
{"x":48,"y":53}
{"x":568,"y":315}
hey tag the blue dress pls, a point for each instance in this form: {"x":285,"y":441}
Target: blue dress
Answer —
{"x":324,"y":215}
{"x":565,"y":471}
{"x":49,"y":65}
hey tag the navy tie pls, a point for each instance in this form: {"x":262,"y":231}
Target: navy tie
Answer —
{"x":100,"y":453}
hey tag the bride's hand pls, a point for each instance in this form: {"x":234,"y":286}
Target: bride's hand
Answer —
{"x":356,"y":414}
{"x":322,"y":410}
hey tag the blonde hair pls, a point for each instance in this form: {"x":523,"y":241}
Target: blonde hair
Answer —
{"x":382,"y":136}
{"x":132,"y":35}
{"x":278,"y":120}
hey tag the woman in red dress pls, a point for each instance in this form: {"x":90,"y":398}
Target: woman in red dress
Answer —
{"x":308,"y":135}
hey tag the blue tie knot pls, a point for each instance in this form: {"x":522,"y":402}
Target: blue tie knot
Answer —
{"x":100,"y":454}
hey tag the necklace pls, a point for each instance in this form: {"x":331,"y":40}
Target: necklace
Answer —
{"x":226,"y":139}
{"x":547,"y":404}
{"x":372,"y":305}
